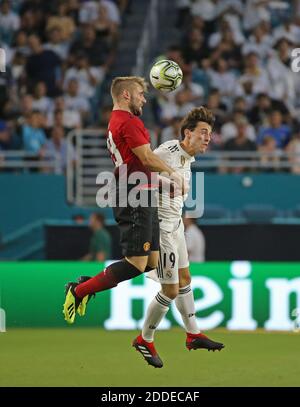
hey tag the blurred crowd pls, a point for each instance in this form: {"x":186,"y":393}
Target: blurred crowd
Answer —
{"x":237,"y":60}
{"x":57,"y":56}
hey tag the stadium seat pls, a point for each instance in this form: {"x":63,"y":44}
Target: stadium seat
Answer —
{"x":296,"y":211}
{"x":215,"y":212}
{"x":256,"y":213}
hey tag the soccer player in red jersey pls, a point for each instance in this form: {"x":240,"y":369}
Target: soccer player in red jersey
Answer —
{"x":129,"y":145}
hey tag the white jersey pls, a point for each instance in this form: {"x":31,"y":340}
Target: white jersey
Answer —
{"x":170,"y":209}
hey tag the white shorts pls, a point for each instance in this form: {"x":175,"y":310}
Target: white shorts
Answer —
{"x":173,"y":256}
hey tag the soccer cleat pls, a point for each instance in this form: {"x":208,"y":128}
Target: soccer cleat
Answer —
{"x":201,"y":341}
{"x":148,"y":351}
{"x":82,"y":306}
{"x":71,"y":304}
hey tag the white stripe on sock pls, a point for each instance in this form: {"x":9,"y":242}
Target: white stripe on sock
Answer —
{"x":157,"y":309}
{"x":186,"y":306}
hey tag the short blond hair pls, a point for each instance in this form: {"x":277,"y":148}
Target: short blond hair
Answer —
{"x":121,"y":83}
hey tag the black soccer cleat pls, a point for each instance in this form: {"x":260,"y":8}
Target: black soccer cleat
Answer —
{"x":148,"y":351}
{"x":83,"y":279}
{"x":201,"y":341}
{"x":72,"y":302}
{"x":82,"y":307}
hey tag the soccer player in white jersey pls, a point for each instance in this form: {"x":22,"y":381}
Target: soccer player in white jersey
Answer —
{"x":173,"y":269}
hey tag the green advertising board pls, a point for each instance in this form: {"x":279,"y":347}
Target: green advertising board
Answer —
{"x":236,"y":295}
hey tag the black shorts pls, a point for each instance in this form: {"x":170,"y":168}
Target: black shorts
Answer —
{"x":139,"y":229}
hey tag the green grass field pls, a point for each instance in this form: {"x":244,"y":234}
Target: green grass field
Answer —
{"x":95,"y":357}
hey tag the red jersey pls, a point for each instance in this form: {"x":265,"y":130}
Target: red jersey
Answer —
{"x":126,"y":131}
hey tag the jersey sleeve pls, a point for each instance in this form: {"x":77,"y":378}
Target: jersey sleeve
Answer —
{"x":163,"y":153}
{"x":134,"y":134}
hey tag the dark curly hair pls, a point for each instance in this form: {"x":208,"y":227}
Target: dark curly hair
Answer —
{"x":198,"y":114}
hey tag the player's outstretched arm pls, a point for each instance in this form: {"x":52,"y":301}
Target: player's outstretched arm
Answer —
{"x":151,"y":160}
{"x":156,"y":164}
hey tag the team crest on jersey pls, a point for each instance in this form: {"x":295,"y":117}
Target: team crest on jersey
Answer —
{"x":146,"y":246}
{"x":182,"y":160}
{"x":169,"y":274}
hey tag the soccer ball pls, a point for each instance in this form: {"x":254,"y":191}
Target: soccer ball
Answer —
{"x":166,"y":75}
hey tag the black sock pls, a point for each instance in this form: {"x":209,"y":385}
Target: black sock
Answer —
{"x":149,"y":268}
{"x":108,"y":278}
{"x":122,"y":270}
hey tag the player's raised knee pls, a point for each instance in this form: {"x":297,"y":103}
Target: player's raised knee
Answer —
{"x":140,"y":262}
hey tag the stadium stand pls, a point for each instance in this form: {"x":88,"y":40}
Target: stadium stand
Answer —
{"x":55,"y":102}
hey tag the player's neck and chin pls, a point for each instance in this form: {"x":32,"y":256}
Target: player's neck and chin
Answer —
{"x":188,"y":149}
{"x":134,"y":111}
{"x":192,"y":151}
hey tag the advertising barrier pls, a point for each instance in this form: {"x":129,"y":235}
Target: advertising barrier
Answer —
{"x":237,"y":295}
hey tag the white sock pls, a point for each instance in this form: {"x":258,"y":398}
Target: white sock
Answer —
{"x":186,"y":306}
{"x":157,"y":309}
